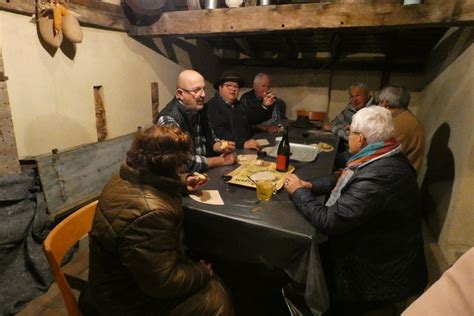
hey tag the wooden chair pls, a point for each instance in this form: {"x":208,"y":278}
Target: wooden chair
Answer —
{"x":316,"y":116}
{"x":59,"y":241}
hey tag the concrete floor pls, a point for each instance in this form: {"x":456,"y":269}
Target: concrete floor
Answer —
{"x":51,"y":302}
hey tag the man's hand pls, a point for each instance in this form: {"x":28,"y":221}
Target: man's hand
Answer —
{"x":228,"y":159}
{"x":327,"y":127}
{"x":193,"y":182}
{"x":268,"y":98}
{"x":224,"y":146}
{"x":273,"y":129}
{"x":293,"y":183}
{"x":251,"y":144}
{"x":224,"y":159}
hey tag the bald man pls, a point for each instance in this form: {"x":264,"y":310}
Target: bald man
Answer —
{"x":187,"y":112}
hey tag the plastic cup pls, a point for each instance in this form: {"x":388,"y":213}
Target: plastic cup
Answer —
{"x":264,"y":190}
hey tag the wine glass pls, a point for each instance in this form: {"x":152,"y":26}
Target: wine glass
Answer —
{"x":261,"y":154}
{"x":226,"y":177}
{"x":305,"y":135}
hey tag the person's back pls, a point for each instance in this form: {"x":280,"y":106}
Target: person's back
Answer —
{"x":411,"y":135}
{"x":374,"y":254}
{"x":137,"y":264}
{"x":408,"y":130}
{"x":121,"y":203}
{"x":382,"y":259}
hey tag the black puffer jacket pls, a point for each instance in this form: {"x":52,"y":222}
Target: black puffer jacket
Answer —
{"x":374,"y":251}
{"x":137,"y":260}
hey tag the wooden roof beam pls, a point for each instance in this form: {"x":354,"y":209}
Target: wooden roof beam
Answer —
{"x":247,"y":20}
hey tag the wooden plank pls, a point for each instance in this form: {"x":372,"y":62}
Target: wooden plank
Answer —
{"x":155,"y":99}
{"x":9,"y":163}
{"x":258,"y":19}
{"x":100,"y":117}
{"x":106,"y":16}
{"x":75,"y":175}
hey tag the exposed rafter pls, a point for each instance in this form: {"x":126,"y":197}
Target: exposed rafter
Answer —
{"x":258,"y":19}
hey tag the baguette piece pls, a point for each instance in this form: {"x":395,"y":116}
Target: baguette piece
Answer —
{"x":200,"y":176}
{"x":224,"y":144}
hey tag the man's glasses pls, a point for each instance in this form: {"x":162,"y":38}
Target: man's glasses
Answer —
{"x":194,"y":91}
{"x":231,"y":85}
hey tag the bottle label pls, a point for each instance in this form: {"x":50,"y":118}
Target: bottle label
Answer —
{"x":281,"y":163}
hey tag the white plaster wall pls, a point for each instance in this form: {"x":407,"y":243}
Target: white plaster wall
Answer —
{"x":51,"y":97}
{"x":449,"y":98}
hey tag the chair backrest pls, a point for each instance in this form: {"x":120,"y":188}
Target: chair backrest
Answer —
{"x":59,"y":241}
{"x":316,"y":116}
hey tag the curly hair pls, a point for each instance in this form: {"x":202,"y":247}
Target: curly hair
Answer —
{"x":159,"y":150}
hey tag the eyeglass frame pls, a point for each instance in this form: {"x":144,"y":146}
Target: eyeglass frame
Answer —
{"x":194,"y":91}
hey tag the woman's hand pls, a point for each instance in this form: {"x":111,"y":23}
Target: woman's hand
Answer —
{"x":293,"y":183}
{"x":193,"y":182}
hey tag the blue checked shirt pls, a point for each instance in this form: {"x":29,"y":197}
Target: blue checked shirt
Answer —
{"x":340,"y":124}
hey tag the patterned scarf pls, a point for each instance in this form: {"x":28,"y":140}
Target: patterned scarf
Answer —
{"x":368,"y":154}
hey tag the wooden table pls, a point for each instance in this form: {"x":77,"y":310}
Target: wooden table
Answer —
{"x":272,"y":232}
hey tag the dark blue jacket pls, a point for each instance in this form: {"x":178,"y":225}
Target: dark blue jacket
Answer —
{"x":374,"y":251}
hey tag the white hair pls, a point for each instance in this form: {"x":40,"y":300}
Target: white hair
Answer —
{"x":260,"y":76}
{"x":397,"y":96}
{"x":361,"y":85}
{"x":374,"y":122}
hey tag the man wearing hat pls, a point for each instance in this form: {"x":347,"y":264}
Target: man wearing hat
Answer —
{"x":227,"y":116}
{"x":188,"y":112}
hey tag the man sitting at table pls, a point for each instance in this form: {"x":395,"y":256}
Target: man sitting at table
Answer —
{"x":374,"y":253}
{"x":408,"y":130}
{"x":228,"y":117}
{"x":264,"y":110}
{"x":188,"y":112}
{"x":359,"y":98}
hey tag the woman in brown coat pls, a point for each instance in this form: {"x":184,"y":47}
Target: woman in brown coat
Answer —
{"x":137,"y":261}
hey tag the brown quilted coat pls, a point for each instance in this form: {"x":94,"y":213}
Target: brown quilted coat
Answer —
{"x":137,"y":262}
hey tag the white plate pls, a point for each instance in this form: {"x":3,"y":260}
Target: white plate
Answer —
{"x":263,"y":175}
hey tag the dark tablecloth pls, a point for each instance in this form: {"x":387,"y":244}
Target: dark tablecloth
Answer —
{"x":272,"y":232}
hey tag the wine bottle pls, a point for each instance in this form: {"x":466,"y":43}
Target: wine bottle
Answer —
{"x":283,"y":153}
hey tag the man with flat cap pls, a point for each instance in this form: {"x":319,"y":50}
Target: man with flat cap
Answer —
{"x":187,"y":111}
{"x":227,"y":116}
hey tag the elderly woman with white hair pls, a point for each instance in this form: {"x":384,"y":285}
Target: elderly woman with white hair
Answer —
{"x":374,"y":253}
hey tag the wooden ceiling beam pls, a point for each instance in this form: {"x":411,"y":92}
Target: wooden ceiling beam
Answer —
{"x":311,"y":16}
{"x":91,"y":12}
{"x":358,"y":65}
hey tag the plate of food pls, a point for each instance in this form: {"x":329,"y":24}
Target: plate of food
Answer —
{"x":263,"y":175}
{"x":256,"y":171}
{"x":324,"y":147}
